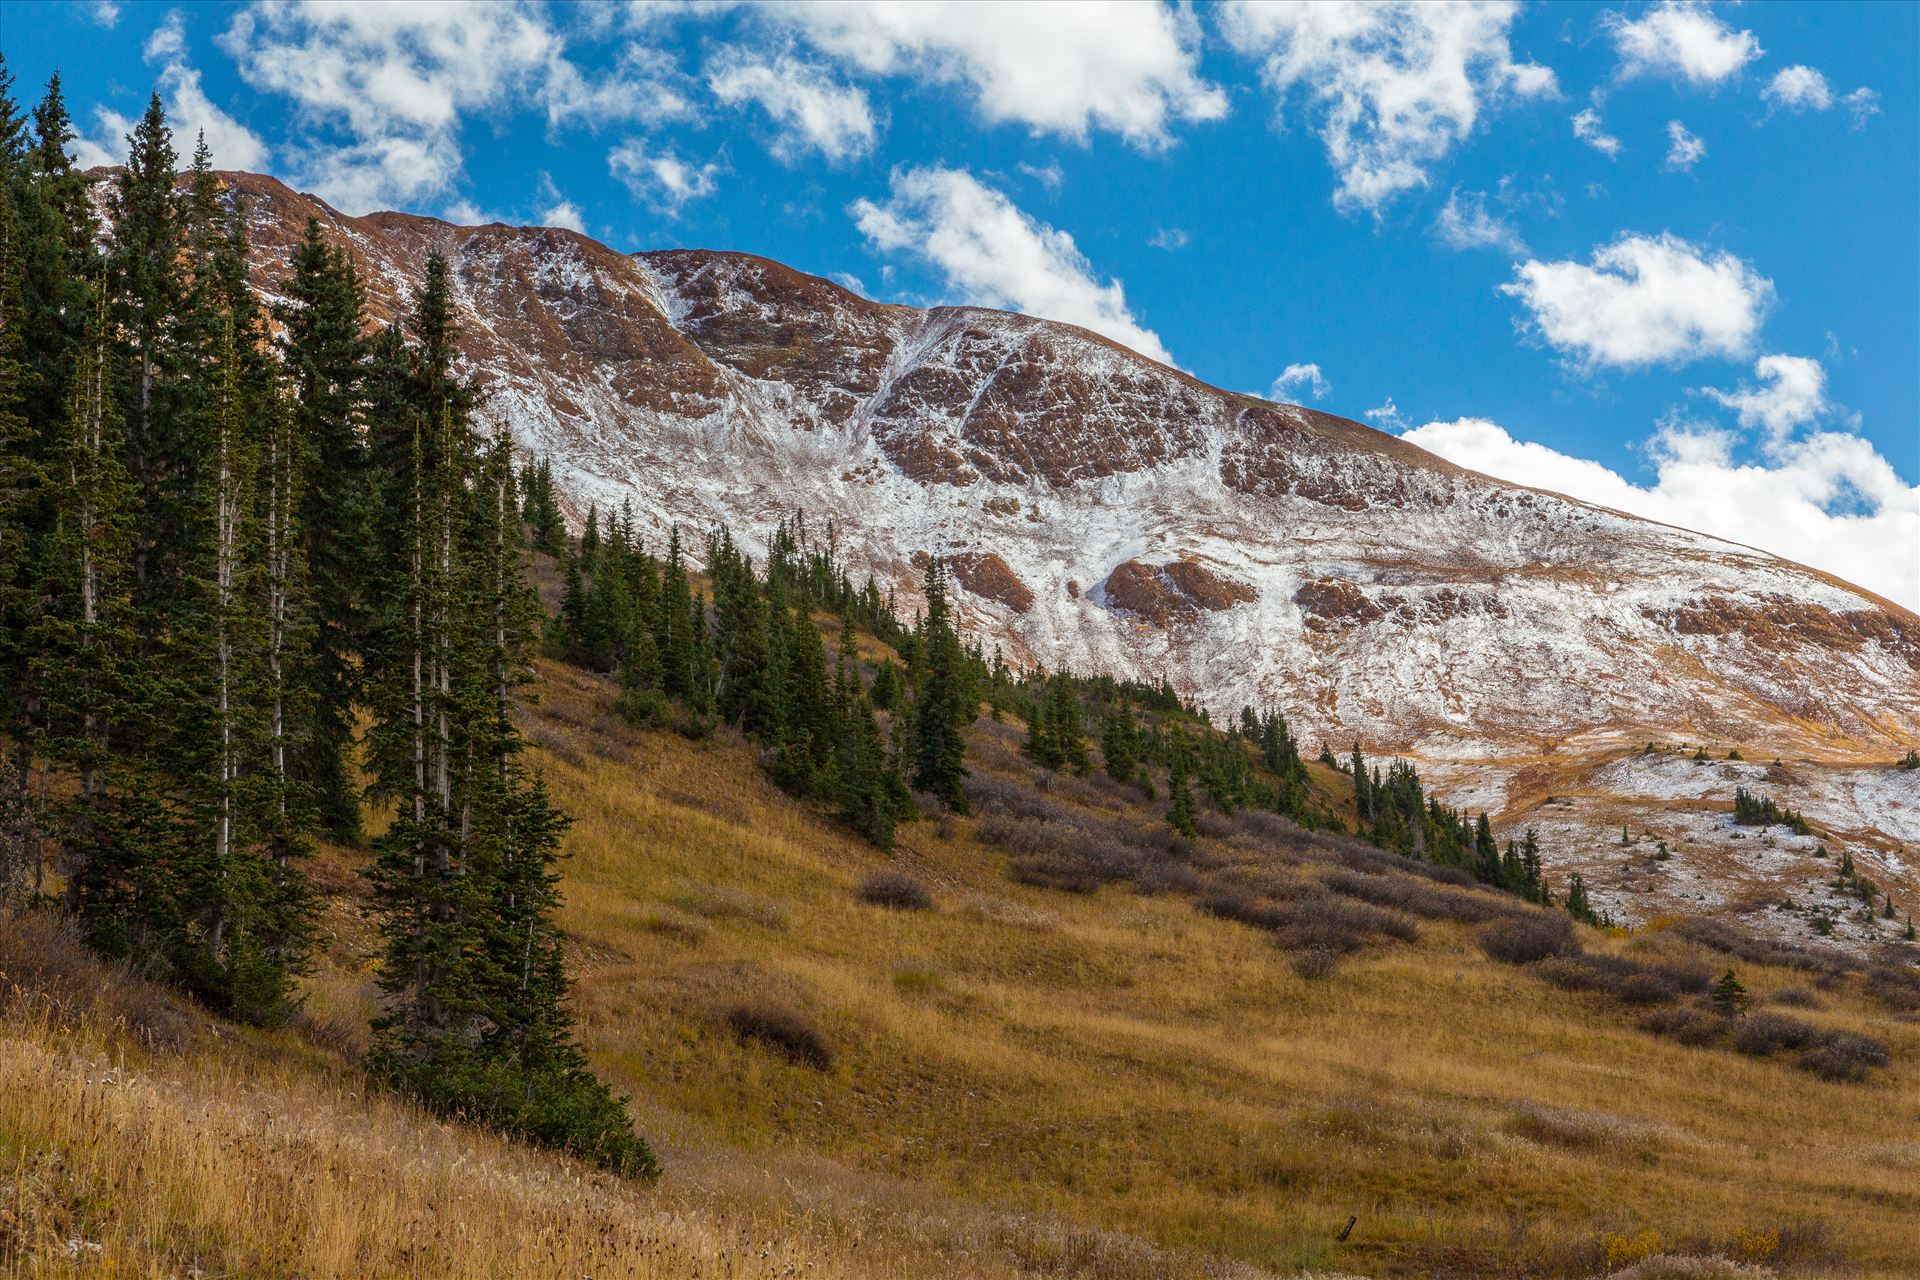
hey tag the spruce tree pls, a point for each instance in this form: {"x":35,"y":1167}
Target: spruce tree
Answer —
{"x":1179,"y":795}
{"x":944,"y":703}
{"x":1120,"y":744}
{"x":325,"y":354}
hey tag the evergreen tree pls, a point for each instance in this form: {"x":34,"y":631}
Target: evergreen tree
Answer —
{"x":1577,"y":904}
{"x":325,"y":354}
{"x":1179,"y":795}
{"x":1729,"y":995}
{"x":1120,"y":744}
{"x":944,"y":703}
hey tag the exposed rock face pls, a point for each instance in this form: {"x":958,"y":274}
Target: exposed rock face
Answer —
{"x":989,"y":577}
{"x":1169,"y":594}
{"x":1285,"y":557}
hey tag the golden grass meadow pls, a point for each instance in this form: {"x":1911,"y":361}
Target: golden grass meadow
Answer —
{"x":1015,"y":1082}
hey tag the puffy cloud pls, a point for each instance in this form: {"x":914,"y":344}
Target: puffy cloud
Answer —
{"x":1798,"y":89}
{"x":1170,"y":239}
{"x":1397,"y":85}
{"x":1829,"y":500}
{"x":1684,"y":148}
{"x":1297,"y":376}
{"x":663,"y":179}
{"x":994,"y":254}
{"x":397,"y":79}
{"x":1644,"y":300}
{"x":1061,"y":67}
{"x":809,"y":110}
{"x":104,"y":12}
{"x":1794,"y":393}
{"x":190,"y":113}
{"x":1464,"y":223}
{"x":1681,"y":40}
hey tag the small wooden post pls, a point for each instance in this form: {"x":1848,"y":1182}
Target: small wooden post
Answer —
{"x":1348,"y":1229}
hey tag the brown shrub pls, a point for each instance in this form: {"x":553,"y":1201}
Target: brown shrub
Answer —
{"x":1843,"y":1055}
{"x":1525,"y":939}
{"x":1766,"y":1033}
{"x":46,"y":965}
{"x":1753,"y":949}
{"x":786,"y":1031}
{"x":1687,"y":1026}
{"x":1421,"y":897}
{"x":1316,"y":963}
{"x":896,"y":889}
{"x":1897,"y":988}
{"x":1049,"y":871}
{"x":1792,"y":998}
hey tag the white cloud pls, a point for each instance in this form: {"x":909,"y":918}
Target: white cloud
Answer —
{"x":1297,"y":376}
{"x":810,"y":111}
{"x":168,"y":40}
{"x":1397,"y":85}
{"x":1863,"y":103}
{"x":662,"y":179}
{"x":1644,"y":300}
{"x":1047,"y":175}
{"x":104,"y":12}
{"x":190,"y":113}
{"x":1464,"y":223}
{"x":1170,"y":239}
{"x":557,"y":210}
{"x":397,"y":80}
{"x":1061,"y":67}
{"x":1681,"y":40}
{"x":993,"y":254}
{"x":1795,"y":394}
{"x":1587,"y":128}
{"x":1684,"y":148}
{"x":1829,"y":500}
{"x":1799,"y":89}
{"x":1387,"y":416}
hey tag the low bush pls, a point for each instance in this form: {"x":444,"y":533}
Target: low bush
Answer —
{"x":1308,"y":917}
{"x":46,"y":967}
{"x":1526,"y":939}
{"x":1316,"y":963}
{"x":1844,"y":1056}
{"x":1419,"y":896}
{"x":896,"y":889}
{"x":1896,"y":988}
{"x":1792,"y":998}
{"x":1318,"y":935}
{"x":1766,"y":1033}
{"x":1687,"y":1026}
{"x":785,"y":1031}
{"x":1755,"y":949}
{"x":1047,"y":871}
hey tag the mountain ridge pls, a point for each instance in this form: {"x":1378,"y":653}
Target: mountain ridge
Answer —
{"x":721,"y":387}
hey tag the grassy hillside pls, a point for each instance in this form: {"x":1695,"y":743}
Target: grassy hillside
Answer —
{"x":1017,"y":1080}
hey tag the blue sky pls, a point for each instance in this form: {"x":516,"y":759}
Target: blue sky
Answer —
{"x":1664,"y":257}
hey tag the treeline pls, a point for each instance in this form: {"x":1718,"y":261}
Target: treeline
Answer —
{"x":1751,"y":809}
{"x":861,"y":735}
{"x":225,"y":538}
{"x":1407,"y":821}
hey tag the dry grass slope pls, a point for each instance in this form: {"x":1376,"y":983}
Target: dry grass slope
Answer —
{"x":1019,"y":1081}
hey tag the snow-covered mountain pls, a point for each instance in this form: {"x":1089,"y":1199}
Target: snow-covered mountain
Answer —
{"x":1104,"y":512}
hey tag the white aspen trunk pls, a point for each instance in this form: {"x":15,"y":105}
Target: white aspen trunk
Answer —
{"x":279,"y":575}
{"x":226,"y":553}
